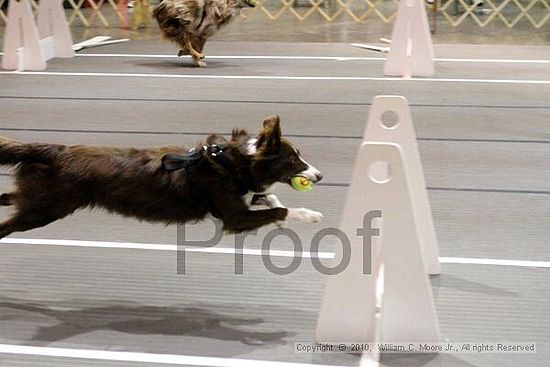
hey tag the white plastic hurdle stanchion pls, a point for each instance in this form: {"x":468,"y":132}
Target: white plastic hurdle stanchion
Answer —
{"x":411,"y":49}
{"x":22,"y":51}
{"x":28,"y":47}
{"x":405,"y":312}
{"x":54,"y":30}
{"x":390,"y":120}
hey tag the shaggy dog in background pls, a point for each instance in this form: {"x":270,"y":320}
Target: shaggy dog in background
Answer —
{"x":189,"y":23}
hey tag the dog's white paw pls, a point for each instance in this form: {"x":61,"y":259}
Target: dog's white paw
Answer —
{"x":199,"y":63}
{"x":304,"y":215}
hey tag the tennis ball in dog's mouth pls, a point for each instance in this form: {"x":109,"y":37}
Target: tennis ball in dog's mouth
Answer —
{"x":252,"y":2}
{"x":301,"y":183}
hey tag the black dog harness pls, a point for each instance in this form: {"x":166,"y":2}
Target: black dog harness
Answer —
{"x":216,"y":152}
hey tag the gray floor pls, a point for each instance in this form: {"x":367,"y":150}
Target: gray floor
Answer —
{"x":484,"y":148}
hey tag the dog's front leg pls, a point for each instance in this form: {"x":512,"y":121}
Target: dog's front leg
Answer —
{"x":300,"y":214}
{"x":247,"y":220}
{"x":196,"y":55}
{"x":273,"y":201}
{"x":269,"y":200}
{"x":236,"y":215}
{"x":304,"y":215}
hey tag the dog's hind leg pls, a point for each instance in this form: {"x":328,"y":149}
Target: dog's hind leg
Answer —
{"x":30,"y":215}
{"x":6,"y":200}
{"x":8,"y":227}
{"x":23,"y":222}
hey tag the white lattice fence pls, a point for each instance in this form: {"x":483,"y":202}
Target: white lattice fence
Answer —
{"x":86,"y":12}
{"x":509,"y":12}
{"x":329,"y":10}
{"x":109,"y":13}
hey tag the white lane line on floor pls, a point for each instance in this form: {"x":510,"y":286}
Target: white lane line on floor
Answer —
{"x":280,"y":77}
{"x":319,"y":58}
{"x":159,"y":247}
{"x":153,"y":358}
{"x":248,"y":251}
{"x":501,"y":262}
{"x":244,"y":57}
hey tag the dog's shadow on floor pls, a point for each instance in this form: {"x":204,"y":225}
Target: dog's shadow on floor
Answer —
{"x":183,"y":64}
{"x":464,"y":285}
{"x":134,"y":318}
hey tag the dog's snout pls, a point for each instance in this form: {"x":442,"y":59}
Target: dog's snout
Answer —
{"x":311,"y":172}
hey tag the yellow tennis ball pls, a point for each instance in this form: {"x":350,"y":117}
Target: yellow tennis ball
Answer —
{"x":301,"y":183}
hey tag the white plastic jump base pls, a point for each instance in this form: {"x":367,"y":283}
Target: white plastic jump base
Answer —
{"x":371,"y":47}
{"x":405,"y":310}
{"x":411,"y":49}
{"x":28,"y":46}
{"x":390,"y":120}
{"x":97,"y":41}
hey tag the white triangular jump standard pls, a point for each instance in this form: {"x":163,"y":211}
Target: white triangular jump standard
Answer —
{"x":390,"y":120}
{"x":411,"y":49}
{"x":393,"y":301}
{"x":28,"y":46}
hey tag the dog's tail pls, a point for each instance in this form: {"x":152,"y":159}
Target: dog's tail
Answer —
{"x":13,"y":152}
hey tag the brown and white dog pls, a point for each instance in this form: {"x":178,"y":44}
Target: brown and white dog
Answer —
{"x":190,"y":23}
{"x":168,"y":184}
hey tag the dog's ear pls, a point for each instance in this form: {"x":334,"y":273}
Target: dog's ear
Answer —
{"x":269,"y":139}
{"x":272,"y":122}
{"x":215,"y":139}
